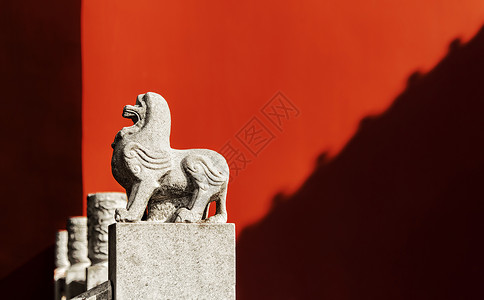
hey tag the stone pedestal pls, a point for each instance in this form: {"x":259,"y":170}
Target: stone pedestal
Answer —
{"x":100,"y":214}
{"x":149,"y":260}
{"x":77,"y":253}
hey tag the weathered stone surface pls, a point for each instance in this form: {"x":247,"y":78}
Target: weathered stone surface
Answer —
{"x":61,"y":258}
{"x":152,"y":260}
{"x":96,"y":275}
{"x":100,"y":214}
{"x":61,"y":264}
{"x":102,"y":291}
{"x":77,"y":253}
{"x":175,"y":185}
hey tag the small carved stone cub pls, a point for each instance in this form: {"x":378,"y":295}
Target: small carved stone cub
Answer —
{"x":175,"y":185}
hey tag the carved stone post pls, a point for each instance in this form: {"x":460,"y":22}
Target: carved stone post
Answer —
{"x":61,"y":264}
{"x":77,"y":253}
{"x":100,"y":214}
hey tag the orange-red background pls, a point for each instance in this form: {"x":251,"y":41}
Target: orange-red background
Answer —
{"x":218,"y":62}
{"x":396,"y":214}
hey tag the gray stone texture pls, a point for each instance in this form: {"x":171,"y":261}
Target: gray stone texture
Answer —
{"x":77,"y":253}
{"x":96,"y":275}
{"x":100,"y":214}
{"x":153,"y":260}
{"x":175,"y":185}
{"x":102,"y":291}
{"x":61,"y":258}
{"x":61,"y":264}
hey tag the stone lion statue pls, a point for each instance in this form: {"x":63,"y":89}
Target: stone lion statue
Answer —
{"x":171,"y":185}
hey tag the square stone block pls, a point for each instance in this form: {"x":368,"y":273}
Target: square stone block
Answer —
{"x":149,"y":260}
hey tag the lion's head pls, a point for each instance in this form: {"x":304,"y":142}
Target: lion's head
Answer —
{"x":151,"y":120}
{"x":137,"y":112}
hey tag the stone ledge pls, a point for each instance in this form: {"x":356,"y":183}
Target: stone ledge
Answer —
{"x":100,"y":292}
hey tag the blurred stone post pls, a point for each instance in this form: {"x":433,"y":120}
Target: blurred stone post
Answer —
{"x":77,"y":253}
{"x":61,"y":264}
{"x":100,"y":214}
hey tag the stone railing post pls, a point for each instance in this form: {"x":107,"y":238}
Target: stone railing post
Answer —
{"x":100,"y":214}
{"x":61,"y":264}
{"x":77,"y":253}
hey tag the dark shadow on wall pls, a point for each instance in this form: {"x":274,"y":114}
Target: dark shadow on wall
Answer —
{"x":27,"y":281}
{"x":398,"y":214}
{"x":41,"y":184}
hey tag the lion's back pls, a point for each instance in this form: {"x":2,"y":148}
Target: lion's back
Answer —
{"x":212,"y":160}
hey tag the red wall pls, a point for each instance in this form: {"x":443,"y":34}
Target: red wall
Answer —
{"x":219,"y":62}
{"x":397,"y":214}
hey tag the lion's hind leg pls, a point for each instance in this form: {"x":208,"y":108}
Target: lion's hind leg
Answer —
{"x":200,"y":201}
{"x":208,"y":182}
{"x":220,"y":215}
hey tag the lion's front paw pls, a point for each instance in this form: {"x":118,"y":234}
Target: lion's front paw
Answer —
{"x":184,"y":215}
{"x":123,"y":215}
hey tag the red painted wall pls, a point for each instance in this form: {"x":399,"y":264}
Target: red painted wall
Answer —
{"x":219,"y":62}
{"x":400,"y":205}
{"x":397,"y":214}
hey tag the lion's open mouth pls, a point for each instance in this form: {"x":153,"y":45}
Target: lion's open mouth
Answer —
{"x":130,"y":113}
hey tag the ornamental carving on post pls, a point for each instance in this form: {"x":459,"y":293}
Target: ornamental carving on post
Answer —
{"x":77,"y":242}
{"x":61,"y":260}
{"x":175,"y":185}
{"x":100,"y":214}
{"x":61,"y":264}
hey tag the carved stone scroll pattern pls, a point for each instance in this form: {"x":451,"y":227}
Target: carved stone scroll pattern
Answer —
{"x":61,"y":259}
{"x":77,"y":241}
{"x":100,"y":213}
